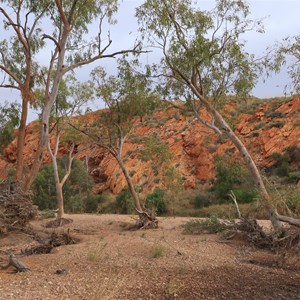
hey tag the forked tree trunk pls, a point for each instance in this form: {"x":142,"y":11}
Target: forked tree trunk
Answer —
{"x":51,"y":95}
{"x":60,"y":183}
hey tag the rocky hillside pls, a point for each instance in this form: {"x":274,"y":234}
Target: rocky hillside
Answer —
{"x":266,"y":127}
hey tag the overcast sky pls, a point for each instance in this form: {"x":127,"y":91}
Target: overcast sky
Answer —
{"x":281,"y":19}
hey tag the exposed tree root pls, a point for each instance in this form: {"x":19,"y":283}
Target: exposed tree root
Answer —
{"x":255,"y":234}
{"x":147,"y":219}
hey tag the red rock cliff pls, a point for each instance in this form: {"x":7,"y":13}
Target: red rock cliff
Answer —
{"x":272,"y":127}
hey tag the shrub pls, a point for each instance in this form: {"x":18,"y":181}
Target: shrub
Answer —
{"x":281,"y":166}
{"x":124,"y":202}
{"x":76,"y":188}
{"x":274,"y":114}
{"x":277,"y":124}
{"x":245,"y":195}
{"x":155,"y":200}
{"x":210,"y":225}
{"x":293,"y":201}
{"x":293,"y":153}
{"x":294,"y":177}
{"x":201,"y":200}
{"x":92,"y":202}
{"x":74,"y":204}
{"x":259,"y":125}
{"x":157,"y":251}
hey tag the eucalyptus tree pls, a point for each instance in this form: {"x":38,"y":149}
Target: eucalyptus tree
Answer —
{"x":124,"y":96}
{"x":203,"y":60}
{"x":287,"y":53}
{"x":66,"y":32}
{"x":18,"y":67}
{"x":72,"y":95}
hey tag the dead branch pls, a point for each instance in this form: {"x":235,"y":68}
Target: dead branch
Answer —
{"x":289,"y":220}
{"x":233,"y":197}
{"x":16,"y":263}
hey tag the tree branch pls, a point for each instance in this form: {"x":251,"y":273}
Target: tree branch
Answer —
{"x":71,"y":158}
{"x":62,"y":14}
{"x":100,"y":56}
{"x":11,"y":74}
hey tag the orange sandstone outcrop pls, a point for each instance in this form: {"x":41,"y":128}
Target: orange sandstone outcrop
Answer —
{"x":269,"y":129}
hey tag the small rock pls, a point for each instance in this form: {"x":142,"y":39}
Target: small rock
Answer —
{"x":61,"y":272}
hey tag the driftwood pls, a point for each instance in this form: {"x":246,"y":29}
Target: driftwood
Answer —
{"x":16,"y":263}
{"x":16,"y":209}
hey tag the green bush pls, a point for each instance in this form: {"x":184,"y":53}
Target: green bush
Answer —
{"x":231,"y":175}
{"x":155,"y":200}
{"x":245,"y":195}
{"x":210,"y":225}
{"x":293,"y":153}
{"x":92,"y":202}
{"x":74,"y":204}
{"x":293,"y":202}
{"x":294,"y":177}
{"x":201,"y":200}
{"x":281,"y":167}
{"x":124,"y":202}
{"x":75,"y":190}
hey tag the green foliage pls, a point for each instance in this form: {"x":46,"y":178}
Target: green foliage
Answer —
{"x":245,"y":194}
{"x":124,"y":202}
{"x":283,"y":163}
{"x":9,"y":120}
{"x":193,"y":41}
{"x":259,"y":125}
{"x":202,"y":200}
{"x":156,"y":200}
{"x":231,"y":175}
{"x":293,"y":153}
{"x":92,"y":202}
{"x":277,"y":124}
{"x":157,"y":251}
{"x":293,"y":201}
{"x":126,"y":95}
{"x":210,"y":225}
{"x":156,"y":151}
{"x":44,"y":189}
{"x":75,"y":190}
{"x":294,"y":177}
{"x":283,"y":53}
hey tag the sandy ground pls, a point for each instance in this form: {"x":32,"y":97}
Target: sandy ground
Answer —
{"x":110,"y":262}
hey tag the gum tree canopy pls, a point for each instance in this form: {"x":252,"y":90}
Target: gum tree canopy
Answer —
{"x":64,"y":26}
{"x":203,"y":60}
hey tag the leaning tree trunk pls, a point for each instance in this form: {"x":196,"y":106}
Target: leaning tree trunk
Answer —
{"x":273,"y":215}
{"x":134,"y":194}
{"x":147,"y":218}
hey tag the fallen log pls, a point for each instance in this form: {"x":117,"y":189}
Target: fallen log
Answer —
{"x":16,"y":263}
{"x":289,"y":220}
